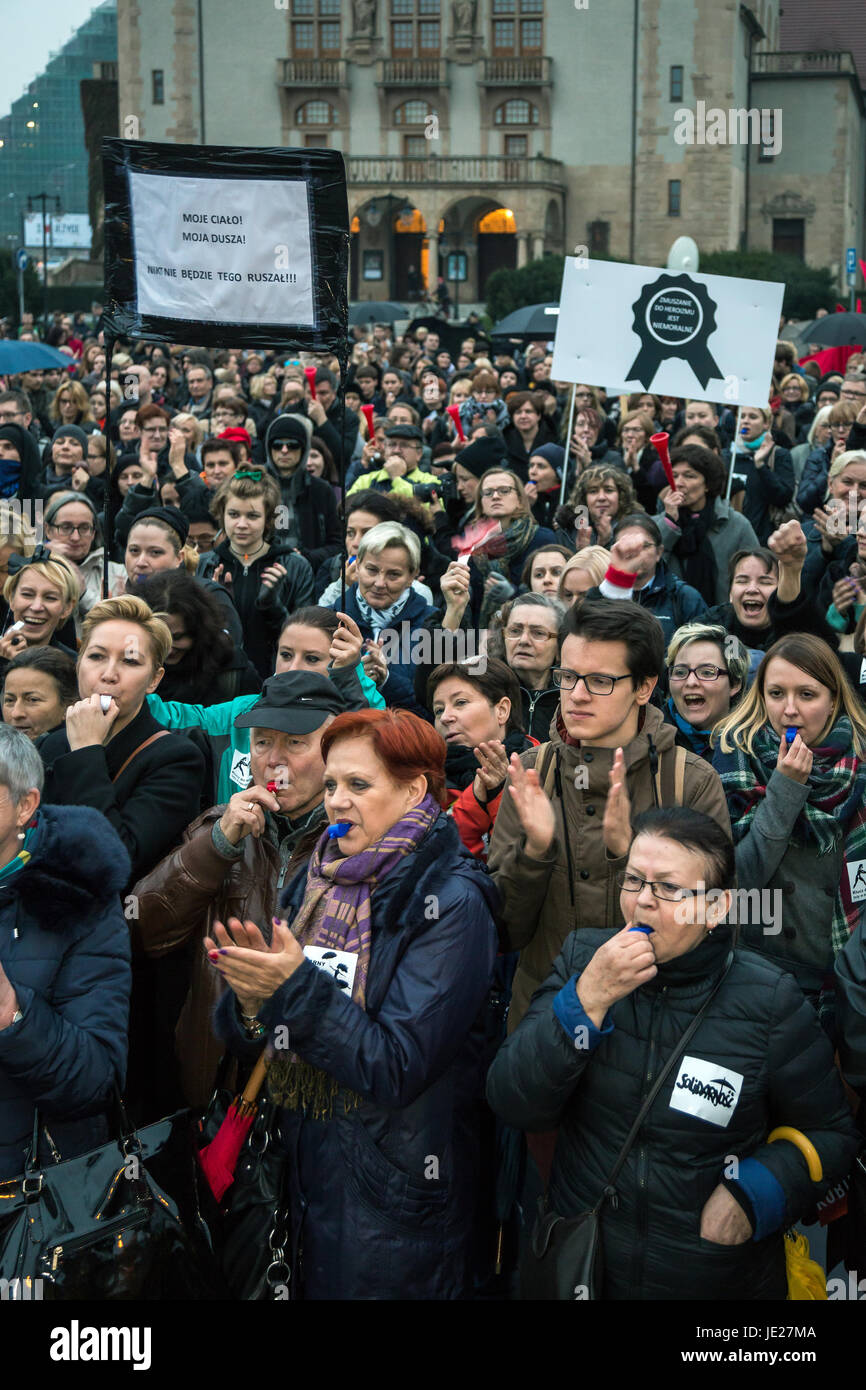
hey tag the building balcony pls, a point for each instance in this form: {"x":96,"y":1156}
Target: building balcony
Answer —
{"x":412,"y":72}
{"x":515,"y":72}
{"x":313,"y":72}
{"x":496,"y":170}
{"x":802,"y":64}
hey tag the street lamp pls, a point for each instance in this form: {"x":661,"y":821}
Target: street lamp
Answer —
{"x":43,"y":198}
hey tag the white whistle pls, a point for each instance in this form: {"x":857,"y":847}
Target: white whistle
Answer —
{"x":105,"y":702}
{"x":16,"y":627}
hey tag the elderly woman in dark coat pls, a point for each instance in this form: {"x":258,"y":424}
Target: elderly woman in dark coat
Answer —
{"x":64,"y":963}
{"x":371,"y":990}
{"x":703,"y":1199}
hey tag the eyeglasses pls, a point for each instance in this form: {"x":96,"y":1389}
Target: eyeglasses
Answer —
{"x":667,"y":892}
{"x":10,"y":415}
{"x":595,"y":683}
{"x":703,"y":673}
{"x":66,"y":528}
{"x":496,"y":491}
{"x":157,"y":429}
{"x":285,"y":444}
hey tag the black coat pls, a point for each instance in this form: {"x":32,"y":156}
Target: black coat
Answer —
{"x":317,"y":520}
{"x":152,"y":801}
{"x":262,"y":611}
{"x":760,"y":1036}
{"x":377,"y":1217}
{"x":64,"y":943}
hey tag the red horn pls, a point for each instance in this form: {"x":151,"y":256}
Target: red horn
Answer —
{"x":310,"y":374}
{"x":660,"y":443}
{"x":454,"y":412}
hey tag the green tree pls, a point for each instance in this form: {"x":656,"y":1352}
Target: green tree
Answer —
{"x":9,"y":288}
{"x":807,"y":288}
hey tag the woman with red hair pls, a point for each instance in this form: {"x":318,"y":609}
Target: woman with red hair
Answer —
{"x":377,"y":976}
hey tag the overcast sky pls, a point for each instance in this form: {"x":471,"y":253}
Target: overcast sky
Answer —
{"x":30,"y":34}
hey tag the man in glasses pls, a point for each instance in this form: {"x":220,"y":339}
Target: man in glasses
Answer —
{"x":564,"y":830}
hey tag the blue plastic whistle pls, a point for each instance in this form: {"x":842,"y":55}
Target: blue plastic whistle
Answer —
{"x":790,"y":734}
{"x":340,"y":827}
{"x":647,"y":931}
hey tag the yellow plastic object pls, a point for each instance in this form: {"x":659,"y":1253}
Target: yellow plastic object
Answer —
{"x":806,"y":1147}
{"x":807,"y":1281}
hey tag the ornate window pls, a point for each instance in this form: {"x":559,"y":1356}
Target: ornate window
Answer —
{"x":315,"y":28}
{"x":316,"y":113}
{"x":518,"y":27}
{"x":415,"y":28}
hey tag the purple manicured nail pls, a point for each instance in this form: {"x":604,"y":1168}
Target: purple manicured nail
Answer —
{"x":223,"y":950}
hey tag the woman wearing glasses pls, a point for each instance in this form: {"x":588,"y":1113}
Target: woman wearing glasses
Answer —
{"x":501,"y":498}
{"x":704,"y":1199}
{"x":72,"y":530}
{"x":791,"y":760}
{"x":707,"y":669}
{"x":840,"y":420}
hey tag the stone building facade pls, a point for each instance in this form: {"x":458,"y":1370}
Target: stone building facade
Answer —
{"x":481,"y":133}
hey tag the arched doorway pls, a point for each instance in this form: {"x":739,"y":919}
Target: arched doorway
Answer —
{"x":497,"y":245}
{"x":411,"y":254}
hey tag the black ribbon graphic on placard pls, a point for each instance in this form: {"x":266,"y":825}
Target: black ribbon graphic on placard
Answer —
{"x":673,"y":317}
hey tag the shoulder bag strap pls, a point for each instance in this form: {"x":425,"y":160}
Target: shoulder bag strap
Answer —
{"x":662,"y":1077}
{"x":679,"y":776}
{"x":161,"y":733}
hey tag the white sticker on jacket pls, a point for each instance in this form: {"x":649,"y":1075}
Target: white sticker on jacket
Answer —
{"x":857,"y":879}
{"x":339,"y":964}
{"x":708,"y":1090}
{"x":240,"y":768}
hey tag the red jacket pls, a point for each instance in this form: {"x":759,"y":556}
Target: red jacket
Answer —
{"x":473,"y":820}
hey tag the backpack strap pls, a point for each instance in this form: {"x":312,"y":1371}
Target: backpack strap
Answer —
{"x":675,"y":777}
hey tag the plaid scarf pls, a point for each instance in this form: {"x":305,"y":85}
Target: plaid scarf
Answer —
{"x":519,"y":535}
{"x":834,"y":812}
{"x":380,"y":618}
{"x":336,"y":914}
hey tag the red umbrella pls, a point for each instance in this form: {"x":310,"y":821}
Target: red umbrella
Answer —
{"x":219,"y":1157}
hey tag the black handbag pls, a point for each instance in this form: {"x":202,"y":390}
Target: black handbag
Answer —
{"x":103,"y":1225}
{"x":563,"y":1259}
{"x":249,"y":1228}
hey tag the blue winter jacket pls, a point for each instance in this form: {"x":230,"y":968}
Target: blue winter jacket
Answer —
{"x":399,"y":688}
{"x":64,"y":944}
{"x":383,"y":1193}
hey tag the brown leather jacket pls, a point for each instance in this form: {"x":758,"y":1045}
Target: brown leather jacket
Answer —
{"x":542,"y":901}
{"x":179,"y":901}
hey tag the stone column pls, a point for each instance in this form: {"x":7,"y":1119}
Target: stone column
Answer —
{"x":522,"y":256}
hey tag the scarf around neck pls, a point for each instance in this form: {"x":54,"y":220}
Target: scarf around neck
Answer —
{"x":834,"y":814}
{"x":380,"y":618}
{"x":335,"y":916}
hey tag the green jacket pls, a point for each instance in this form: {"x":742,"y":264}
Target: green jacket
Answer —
{"x":231,"y":746}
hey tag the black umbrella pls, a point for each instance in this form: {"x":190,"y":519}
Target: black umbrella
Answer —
{"x":837,"y":330}
{"x":451,"y":334}
{"x":376,"y":311}
{"x":532,"y":321}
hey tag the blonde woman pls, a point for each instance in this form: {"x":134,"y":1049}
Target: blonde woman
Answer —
{"x":146,"y":781}
{"x":584,"y":571}
{"x":71,"y":406}
{"x":42,"y":593}
{"x":791,"y":759}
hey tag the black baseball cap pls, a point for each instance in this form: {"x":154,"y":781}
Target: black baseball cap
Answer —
{"x":295,"y":702}
{"x":404,"y":432}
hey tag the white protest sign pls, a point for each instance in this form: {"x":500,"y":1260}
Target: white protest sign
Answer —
{"x":223,"y":250}
{"x":638,"y":328}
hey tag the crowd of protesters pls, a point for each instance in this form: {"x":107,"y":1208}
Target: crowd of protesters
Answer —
{"x":511,"y":668}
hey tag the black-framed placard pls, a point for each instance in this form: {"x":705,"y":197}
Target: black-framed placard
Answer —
{"x":223,"y":244}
